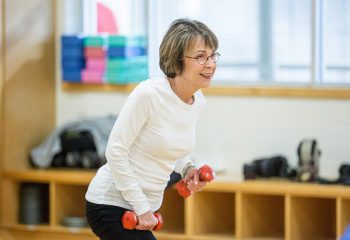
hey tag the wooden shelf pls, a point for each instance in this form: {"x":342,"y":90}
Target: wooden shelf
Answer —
{"x":269,"y":186}
{"x":47,"y":228}
{"x":97,"y":87}
{"x":170,"y":236}
{"x":58,"y":176}
{"x":23,"y":232}
{"x":280,"y":187}
{"x":225,"y":209}
{"x":213,"y":236}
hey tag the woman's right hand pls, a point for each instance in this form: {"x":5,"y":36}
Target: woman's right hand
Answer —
{"x":146,"y":221}
{"x":192,"y":179}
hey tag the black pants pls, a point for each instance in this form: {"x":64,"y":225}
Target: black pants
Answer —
{"x":105,"y":222}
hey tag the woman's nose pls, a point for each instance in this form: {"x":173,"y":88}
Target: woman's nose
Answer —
{"x":209,"y":62}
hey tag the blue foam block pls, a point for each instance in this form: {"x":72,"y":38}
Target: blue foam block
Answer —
{"x":72,"y":76}
{"x":125,"y":51}
{"x":68,"y":63}
{"x":72,"y":40}
{"x":72,"y":52}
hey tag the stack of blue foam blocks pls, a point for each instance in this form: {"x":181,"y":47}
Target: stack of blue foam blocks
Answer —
{"x":72,"y":57}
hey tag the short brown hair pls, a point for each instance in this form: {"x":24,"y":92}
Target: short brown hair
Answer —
{"x":181,"y":35}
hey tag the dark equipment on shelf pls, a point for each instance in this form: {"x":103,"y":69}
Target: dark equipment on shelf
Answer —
{"x":78,"y":150}
{"x":344,"y":172}
{"x":33,"y":203}
{"x":308,"y":160}
{"x":276,"y":166}
{"x":78,"y":144}
{"x":74,"y":221}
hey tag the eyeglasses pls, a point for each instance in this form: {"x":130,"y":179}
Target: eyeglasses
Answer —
{"x":203,"y":59}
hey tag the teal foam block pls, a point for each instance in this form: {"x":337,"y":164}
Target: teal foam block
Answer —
{"x":131,"y":62}
{"x":125,"y":76}
{"x":126,"y":41}
{"x":94,"y":41}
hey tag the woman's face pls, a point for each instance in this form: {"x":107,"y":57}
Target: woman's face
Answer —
{"x":197,"y":75}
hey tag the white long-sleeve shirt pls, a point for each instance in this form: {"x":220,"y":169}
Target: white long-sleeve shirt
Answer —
{"x":153,"y":135}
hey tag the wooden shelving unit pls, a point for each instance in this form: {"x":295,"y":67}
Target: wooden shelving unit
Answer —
{"x":260,"y":209}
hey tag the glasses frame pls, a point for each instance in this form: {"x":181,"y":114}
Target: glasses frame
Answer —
{"x":211,"y":56}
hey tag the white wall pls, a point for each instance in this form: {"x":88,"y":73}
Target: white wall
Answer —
{"x":233,"y":130}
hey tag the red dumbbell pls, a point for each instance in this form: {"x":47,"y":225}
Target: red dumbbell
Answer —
{"x":205,"y":174}
{"x":129,"y":221}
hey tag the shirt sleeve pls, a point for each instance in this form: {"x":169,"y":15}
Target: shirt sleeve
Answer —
{"x":183,"y":163}
{"x":131,"y":119}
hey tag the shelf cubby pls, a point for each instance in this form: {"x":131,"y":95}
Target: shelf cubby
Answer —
{"x":344,"y":214}
{"x":312,"y":218}
{"x":213,"y":214}
{"x":33,"y":206}
{"x":173,"y":212}
{"x":262,"y":216}
{"x":22,"y":198}
{"x":67,"y":200}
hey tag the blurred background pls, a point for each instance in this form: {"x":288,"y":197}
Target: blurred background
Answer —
{"x":285,"y":44}
{"x":283,"y":78}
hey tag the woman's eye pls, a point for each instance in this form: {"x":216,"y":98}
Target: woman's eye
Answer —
{"x":200,"y":57}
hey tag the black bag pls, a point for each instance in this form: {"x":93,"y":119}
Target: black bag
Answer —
{"x":276,"y":166}
{"x":78,"y":150}
{"x":344,"y":174}
{"x":75,"y":140}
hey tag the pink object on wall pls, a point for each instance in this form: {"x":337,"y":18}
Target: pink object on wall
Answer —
{"x":94,"y":52}
{"x":106,"y":21}
{"x":96,"y":63}
{"x":92,"y":76}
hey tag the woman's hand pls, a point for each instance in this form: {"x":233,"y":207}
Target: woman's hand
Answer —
{"x":193,"y":182}
{"x":146,"y":221}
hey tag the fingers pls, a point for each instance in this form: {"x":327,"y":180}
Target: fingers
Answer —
{"x":191,"y":171}
{"x":193,"y":182}
{"x":146,"y":222}
{"x":196,"y":177}
{"x":195,"y":187}
{"x":192,"y":174}
{"x":145,"y":227}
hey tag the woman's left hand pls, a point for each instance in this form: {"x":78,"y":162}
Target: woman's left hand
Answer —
{"x":192,"y":179}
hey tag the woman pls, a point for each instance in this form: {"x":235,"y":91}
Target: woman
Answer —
{"x":154,"y":135}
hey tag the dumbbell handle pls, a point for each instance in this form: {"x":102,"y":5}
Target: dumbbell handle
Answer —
{"x":129,"y":221}
{"x":206,"y":174}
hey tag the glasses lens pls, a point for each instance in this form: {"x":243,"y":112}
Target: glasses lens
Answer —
{"x":215,"y":57}
{"x":201,"y":60}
